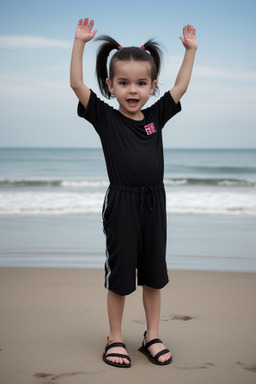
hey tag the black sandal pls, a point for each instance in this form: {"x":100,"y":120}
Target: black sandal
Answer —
{"x":113,"y":345}
{"x":154,"y":359}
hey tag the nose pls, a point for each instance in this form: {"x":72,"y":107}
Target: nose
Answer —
{"x":132,"y":89}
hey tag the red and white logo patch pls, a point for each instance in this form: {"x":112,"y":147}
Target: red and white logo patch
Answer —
{"x":150,"y":128}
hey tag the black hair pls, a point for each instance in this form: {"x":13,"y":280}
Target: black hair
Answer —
{"x":148,"y":52}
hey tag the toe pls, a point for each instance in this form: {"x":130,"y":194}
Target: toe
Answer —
{"x":164,"y":358}
{"x":161,"y":359}
{"x":117,"y":359}
{"x":156,"y":348}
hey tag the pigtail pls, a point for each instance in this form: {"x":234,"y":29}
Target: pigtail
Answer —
{"x":101,"y":62}
{"x":154,"y":49}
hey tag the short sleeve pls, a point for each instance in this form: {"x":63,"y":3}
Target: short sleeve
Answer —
{"x":165,"y":108}
{"x":96,"y":112}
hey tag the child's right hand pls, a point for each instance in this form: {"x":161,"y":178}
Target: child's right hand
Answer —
{"x":84,"y":30}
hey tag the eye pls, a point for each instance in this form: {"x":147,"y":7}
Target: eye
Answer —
{"x":142,"y":83}
{"x":123,"y":83}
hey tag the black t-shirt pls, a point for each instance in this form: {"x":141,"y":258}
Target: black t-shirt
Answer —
{"x":133,"y":149}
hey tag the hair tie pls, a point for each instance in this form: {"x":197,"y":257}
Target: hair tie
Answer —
{"x":143,"y":47}
{"x":119,"y":47}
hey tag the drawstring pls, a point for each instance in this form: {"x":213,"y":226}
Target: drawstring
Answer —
{"x":147,"y":194}
{"x":143,"y":196}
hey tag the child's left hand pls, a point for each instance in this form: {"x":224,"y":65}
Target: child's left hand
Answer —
{"x":189,"y":37}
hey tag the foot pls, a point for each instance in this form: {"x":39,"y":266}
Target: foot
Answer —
{"x":156,"y":348}
{"x":117,"y":350}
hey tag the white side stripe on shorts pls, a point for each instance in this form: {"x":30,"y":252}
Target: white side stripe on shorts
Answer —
{"x":106,"y":252}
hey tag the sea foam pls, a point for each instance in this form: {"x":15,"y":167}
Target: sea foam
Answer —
{"x":43,"y":203}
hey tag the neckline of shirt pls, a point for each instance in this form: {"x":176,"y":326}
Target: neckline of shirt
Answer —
{"x":136,"y":122}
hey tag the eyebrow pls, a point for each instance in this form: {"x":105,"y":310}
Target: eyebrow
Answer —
{"x":142,"y":79}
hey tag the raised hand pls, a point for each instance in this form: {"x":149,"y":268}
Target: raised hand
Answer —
{"x":189,"y":37}
{"x":84,"y":30}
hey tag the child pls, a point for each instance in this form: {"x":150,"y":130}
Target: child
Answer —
{"x":134,"y":213}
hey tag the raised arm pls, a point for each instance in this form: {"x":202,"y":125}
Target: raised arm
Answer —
{"x":183,"y":78}
{"x":83,"y":34}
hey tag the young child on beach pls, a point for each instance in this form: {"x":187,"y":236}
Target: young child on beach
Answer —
{"x":134,"y":209}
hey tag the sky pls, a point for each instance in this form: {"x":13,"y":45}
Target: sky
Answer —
{"x":38,"y":107}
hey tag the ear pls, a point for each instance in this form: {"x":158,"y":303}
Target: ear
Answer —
{"x":110,"y":86}
{"x":153,"y":87}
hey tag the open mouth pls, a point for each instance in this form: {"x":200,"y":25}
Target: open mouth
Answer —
{"x":132,"y":102}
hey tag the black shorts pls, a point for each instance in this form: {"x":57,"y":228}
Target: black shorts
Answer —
{"x":134,"y":222}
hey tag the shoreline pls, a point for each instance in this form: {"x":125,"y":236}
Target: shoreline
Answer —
{"x":53,"y":327}
{"x":195,"y":242}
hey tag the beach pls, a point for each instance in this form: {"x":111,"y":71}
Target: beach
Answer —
{"x":53,"y":318}
{"x":53,"y":327}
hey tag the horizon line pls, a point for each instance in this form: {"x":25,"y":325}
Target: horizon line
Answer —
{"x":98,"y":147}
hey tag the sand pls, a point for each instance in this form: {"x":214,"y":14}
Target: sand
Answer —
{"x":53,"y":326}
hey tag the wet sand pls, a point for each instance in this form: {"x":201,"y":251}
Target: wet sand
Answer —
{"x":53,"y":326}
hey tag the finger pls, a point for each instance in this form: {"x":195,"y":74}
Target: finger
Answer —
{"x":94,"y":32}
{"x":91,"y":24}
{"x":86,"y":19}
{"x":189,"y":28}
{"x":185,"y":31}
{"x":193,"y":31}
{"x":80,"y":22}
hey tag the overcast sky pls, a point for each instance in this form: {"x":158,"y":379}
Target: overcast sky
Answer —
{"x":38,"y":107}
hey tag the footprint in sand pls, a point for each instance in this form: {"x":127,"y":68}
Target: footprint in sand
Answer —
{"x":251,"y":368}
{"x":168,"y":318}
{"x":181,"y":317}
{"x":50,"y":377}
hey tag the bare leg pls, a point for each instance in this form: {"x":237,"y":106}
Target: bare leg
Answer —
{"x":115,"y":305}
{"x":152,"y":306}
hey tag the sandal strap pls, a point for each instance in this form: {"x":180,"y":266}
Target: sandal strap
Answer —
{"x":154,"y":341}
{"x":118,"y":355}
{"x":113,"y":345}
{"x":163,"y":352}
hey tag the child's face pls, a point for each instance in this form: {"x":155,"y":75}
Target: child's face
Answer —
{"x":132,"y":86}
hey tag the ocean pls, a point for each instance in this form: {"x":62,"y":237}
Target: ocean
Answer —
{"x":51,"y":201}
